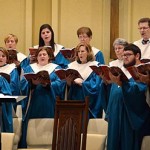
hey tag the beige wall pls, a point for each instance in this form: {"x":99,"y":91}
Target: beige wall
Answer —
{"x":24,"y":18}
{"x":13,"y":20}
{"x":42,"y":13}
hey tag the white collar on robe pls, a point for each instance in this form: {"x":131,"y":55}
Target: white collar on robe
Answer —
{"x":58,"y":47}
{"x":145,"y":49}
{"x":95,"y":50}
{"x":21,"y":56}
{"x":49,"y":67}
{"x":83,"y":69}
{"x":7,"y":68}
{"x":36,"y":46}
{"x":116,"y":62}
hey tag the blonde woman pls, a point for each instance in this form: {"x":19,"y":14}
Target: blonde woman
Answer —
{"x":88,"y":85}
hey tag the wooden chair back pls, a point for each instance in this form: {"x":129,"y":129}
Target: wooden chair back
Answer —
{"x":70,"y":124}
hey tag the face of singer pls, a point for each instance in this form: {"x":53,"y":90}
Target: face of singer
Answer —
{"x":129,"y":59}
{"x":84,"y":38}
{"x":119,"y":51}
{"x":82,"y":54}
{"x":43,"y":58}
{"x":144,"y":30}
{"x":11,"y":43}
{"x":3,"y":59}
{"x":46,"y":35}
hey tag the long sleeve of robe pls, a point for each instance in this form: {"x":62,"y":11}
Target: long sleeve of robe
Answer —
{"x":7,"y":122}
{"x":90,"y":87}
{"x":126,"y":112}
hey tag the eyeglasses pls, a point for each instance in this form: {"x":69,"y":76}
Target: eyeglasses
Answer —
{"x":127,"y":55}
{"x":119,"y":48}
{"x":143,"y":28}
{"x":83,"y":37}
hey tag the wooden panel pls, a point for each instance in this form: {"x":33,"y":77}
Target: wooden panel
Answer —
{"x":71,"y":119}
{"x":114,"y":25}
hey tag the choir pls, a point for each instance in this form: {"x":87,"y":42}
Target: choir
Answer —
{"x":125,"y":103}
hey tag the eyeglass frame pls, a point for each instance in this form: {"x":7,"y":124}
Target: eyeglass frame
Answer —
{"x":144,"y":28}
{"x":127,"y":55}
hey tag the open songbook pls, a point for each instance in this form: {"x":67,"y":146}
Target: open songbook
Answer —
{"x":44,"y":75}
{"x":104,"y":70}
{"x":144,"y":60}
{"x":67,"y":52}
{"x":7,"y":97}
{"x":32,"y":53}
{"x":12,"y":55}
{"x":63,"y":73}
{"x":136,"y":69}
{"x":118,"y":71}
{"x":6,"y":76}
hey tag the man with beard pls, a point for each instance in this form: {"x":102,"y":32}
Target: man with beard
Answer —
{"x":144,"y":42}
{"x":127,"y":110}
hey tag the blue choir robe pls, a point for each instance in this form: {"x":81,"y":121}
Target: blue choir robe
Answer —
{"x":11,"y":70}
{"x":90,"y":87}
{"x":126,"y":113}
{"x":7,"y":122}
{"x":14,"y":79}
{"x":59,"y":58}
{"x":56,"y":87}
{"x":23,"y":61}
{"x":21,"y":56}
{"x":104,"y":95}
{"x":40,"y":100}
{"x":98,"y":55}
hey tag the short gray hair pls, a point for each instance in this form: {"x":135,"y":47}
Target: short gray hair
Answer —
{"x":120,"y":41}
